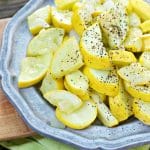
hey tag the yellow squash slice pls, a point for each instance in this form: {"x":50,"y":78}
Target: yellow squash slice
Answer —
{"x":94,"y":53}
{"x":146,"y":42}
{"x":135,"y":73}
{"x":134,"y":20}
{"x":66,"y":59}
{"x":77,"y":83}
{"x":101,"y":96}
{"x":103,"y":81}
{"x":49,"y":84}
{"x":121,"y":105}
{"x":46,"y":41}
{"x":141,"y":110}
{"x":81,"y":19}
{"x":62,"y":19}
{"x":133,"y":41}
{"x":33,"y":69}
{"x":104,"y":114}
{"x":145,"y":26}
{"x":121,"y":57}
{"x":65,"y":101}
{"x":145,"y":59}
{"x":39,"y":19}
{"x":138,"y":91}
{"x":114,"y":24}
{"x":81,"y":118}
{"x":141,"y":8}
{"x":65,"y":4}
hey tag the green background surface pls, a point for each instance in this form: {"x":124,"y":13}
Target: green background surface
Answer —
{"x":40,"y":143}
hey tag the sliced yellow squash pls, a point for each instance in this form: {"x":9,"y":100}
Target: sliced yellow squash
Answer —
{"x":65,"y":4}
{"x":126,"y":4}
{"x":104,"y":114}
{"x":141,"y":110}
{"x":81,"y":19}
{"x":66,"y":59}
{"x":103,"y":81}
{"x":133,"y":41}
{"x":62,"y":19}
{"x":49,"y":84}
{"x":39,"y":19}
{"x":77,"y":83}
{"x":121,"y":105}
{"x":145,"y":59}
{"x":81,"y":118}
{"x":65,"y":101}
{"x":135,"y":73}
{"x":114,"y":24}
{"x":46,"y":41}
{"x":33,"y":69}
{"x":141,"y":8}
{"x":145,"y":26}
{"x":134,"y":20}
{"x":94,"y":53}
{"x":121,"y":57}
{"x":138,"y":91}
{"x":146,"y":42}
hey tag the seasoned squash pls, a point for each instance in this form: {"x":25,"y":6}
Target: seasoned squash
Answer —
{"x":138,"y":91}
{"x":81,"y":118}
{"x":121,"y":105}
{"x":77,"y":83}
{"x":102,"y":81}
{"x":94,"y":53}
{"x":141,"y":110}
{"x":66,"y":59}
{"x":65,"y":101}
{"x":135,"y":73}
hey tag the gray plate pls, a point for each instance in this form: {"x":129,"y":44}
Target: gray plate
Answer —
{"x":38,"y":114}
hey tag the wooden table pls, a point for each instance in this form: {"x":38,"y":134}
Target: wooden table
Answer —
{"x":11,"y":125}
{"x":9,"y":7}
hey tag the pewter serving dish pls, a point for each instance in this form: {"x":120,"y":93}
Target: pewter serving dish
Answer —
{"x":38,"y":114}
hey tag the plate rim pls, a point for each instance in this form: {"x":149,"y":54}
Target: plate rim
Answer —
{"x":30,"y":120}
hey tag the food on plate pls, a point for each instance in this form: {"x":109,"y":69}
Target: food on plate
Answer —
{"x":46,"y":41}
{"x":67,"y":58}
{"x":62,"y":19}
{"x":81,"y":19}
{"x":40,"y":19}
{"x":121,"y":105}
{"x":65,"y":101}
{"x":141,"y":110}
{"x":145,"y":59}
{"x":133,"y":41}
{"x":65,"y":4}
{"x":104,"y":114}
{"x":93,"y":50}
{"x":145,"y":26}
{"x":114,"y":24}
{"x":91,"y":59}
{"x":146,"y":42}
{"x":77,"y":83}
{"x":103,"y":81}
{"x":49,"y":83}
{"x":102,"y":97}
{"x":33,"y":70}
{"x":138,"y":91}
{"x":81,"y":118}
{"x":126,"y":4}
{"x":141,"y":8}
{"x":135,"y":73}
{"x":121,"y":57}
{"x":134,"y":20}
